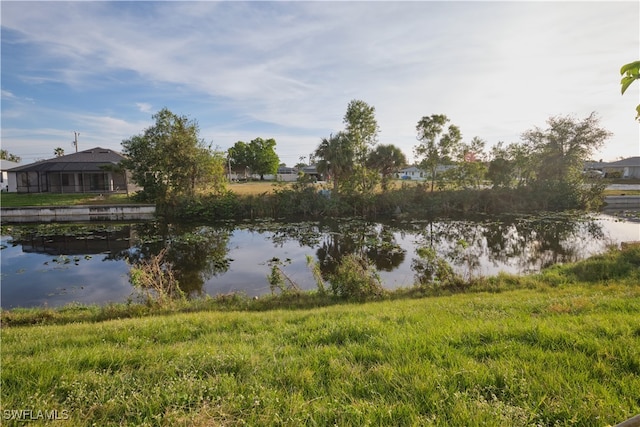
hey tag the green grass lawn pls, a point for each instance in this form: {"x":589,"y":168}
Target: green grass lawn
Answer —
{"x":560,"y":357}
{"x":47,"y":199}
{"x":557,"y":349}
{"x":621,"y":193}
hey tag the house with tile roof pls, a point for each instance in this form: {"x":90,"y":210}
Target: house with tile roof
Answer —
{"x":96,"y":170}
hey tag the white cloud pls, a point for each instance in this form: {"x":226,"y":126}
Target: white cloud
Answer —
{"x":7,"y":95}
{"x":144,"y":107}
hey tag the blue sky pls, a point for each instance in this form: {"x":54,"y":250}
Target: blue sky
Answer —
{"x":287,"y":70}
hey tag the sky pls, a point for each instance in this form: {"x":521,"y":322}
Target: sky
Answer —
{"x":288,"y":70}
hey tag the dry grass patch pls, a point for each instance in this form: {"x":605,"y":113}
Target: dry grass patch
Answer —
{"x":256,"y":187}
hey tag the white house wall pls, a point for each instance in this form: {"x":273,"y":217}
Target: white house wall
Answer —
{"x":631,"y":172}
{"x":9,"y":182}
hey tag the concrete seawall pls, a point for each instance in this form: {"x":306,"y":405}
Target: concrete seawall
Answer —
{"x":77,"y":213}
{"x":622,"y":202}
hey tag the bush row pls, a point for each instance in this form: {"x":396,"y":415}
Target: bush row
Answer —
{"x":311,"y":202}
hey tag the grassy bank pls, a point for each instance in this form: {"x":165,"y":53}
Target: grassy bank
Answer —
{"x":621,"y":193}
{"x":8,"y":200}
{"x":558,"y":348}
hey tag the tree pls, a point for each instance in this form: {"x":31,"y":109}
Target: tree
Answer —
{"x":562,"y":148}
{"x":5,"y":155}
{"x":259,"y":156}
{"x":209,"y":171}
{"x":361,"y":128}
{"x":435,"y":145}
{"x":58,"y":152}
{"x":501,"y":167}
{"x":500,"y":172}
{"x":169,"y":159}
{"x":558,"y":156}
{"x":511,"y":166}
{"x":265,"y":159}
{"x":524,"y":167}
{"x":335,"y":156}
{"x":630,"y":72}
{"x":386,"y":159}
{"x":470,"y":168}
{"x":240,"y":157}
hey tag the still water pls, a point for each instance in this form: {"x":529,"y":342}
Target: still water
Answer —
{"x":55,"y":264}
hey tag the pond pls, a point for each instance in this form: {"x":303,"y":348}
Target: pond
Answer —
{"x":55,"y":264}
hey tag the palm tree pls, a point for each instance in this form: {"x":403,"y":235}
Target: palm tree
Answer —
{"x":386,"y":159}
{"x":336,"y":158}
{"x":5,"y":155}
{"x":59,"y":152}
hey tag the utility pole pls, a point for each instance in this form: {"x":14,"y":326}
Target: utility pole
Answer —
{"x":75,"y":139}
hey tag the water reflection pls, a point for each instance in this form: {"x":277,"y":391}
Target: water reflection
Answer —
{"x":197,"y":253}
{"x":228,"y":257}
{"x":373,"y":241}
{"x":525,"y":244}
{"x":96,"y":242}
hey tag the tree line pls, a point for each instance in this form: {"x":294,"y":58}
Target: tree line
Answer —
{"x":170,"y":161}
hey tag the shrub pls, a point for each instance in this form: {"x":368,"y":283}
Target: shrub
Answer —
{"x":614,"y":175}
{"x":612,"y":265}
{"x":279,"y":281}
{"x":355,"y":277}
{"x":432,"y":270}
{"x":317,"y":275}
{"x":155,"y":279}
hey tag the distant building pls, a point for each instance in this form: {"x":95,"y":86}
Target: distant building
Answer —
{"x":312,"y":171}
{"x":287,"y":174}
{"x":628,"y":168}
{"x":416,"y":173}
{"x":412,"y":172}
{"x":284,"y":174}
{"x":90,"y":171}
{"x":7,"y":180}
{"x":625,"y":168}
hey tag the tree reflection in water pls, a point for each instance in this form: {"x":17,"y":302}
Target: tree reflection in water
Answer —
{"x":374,"y":241}
{"x":526,"y":243}
{"x":200,"y":254}
{"x":337,"y":239}
{"x":197,"y":253}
